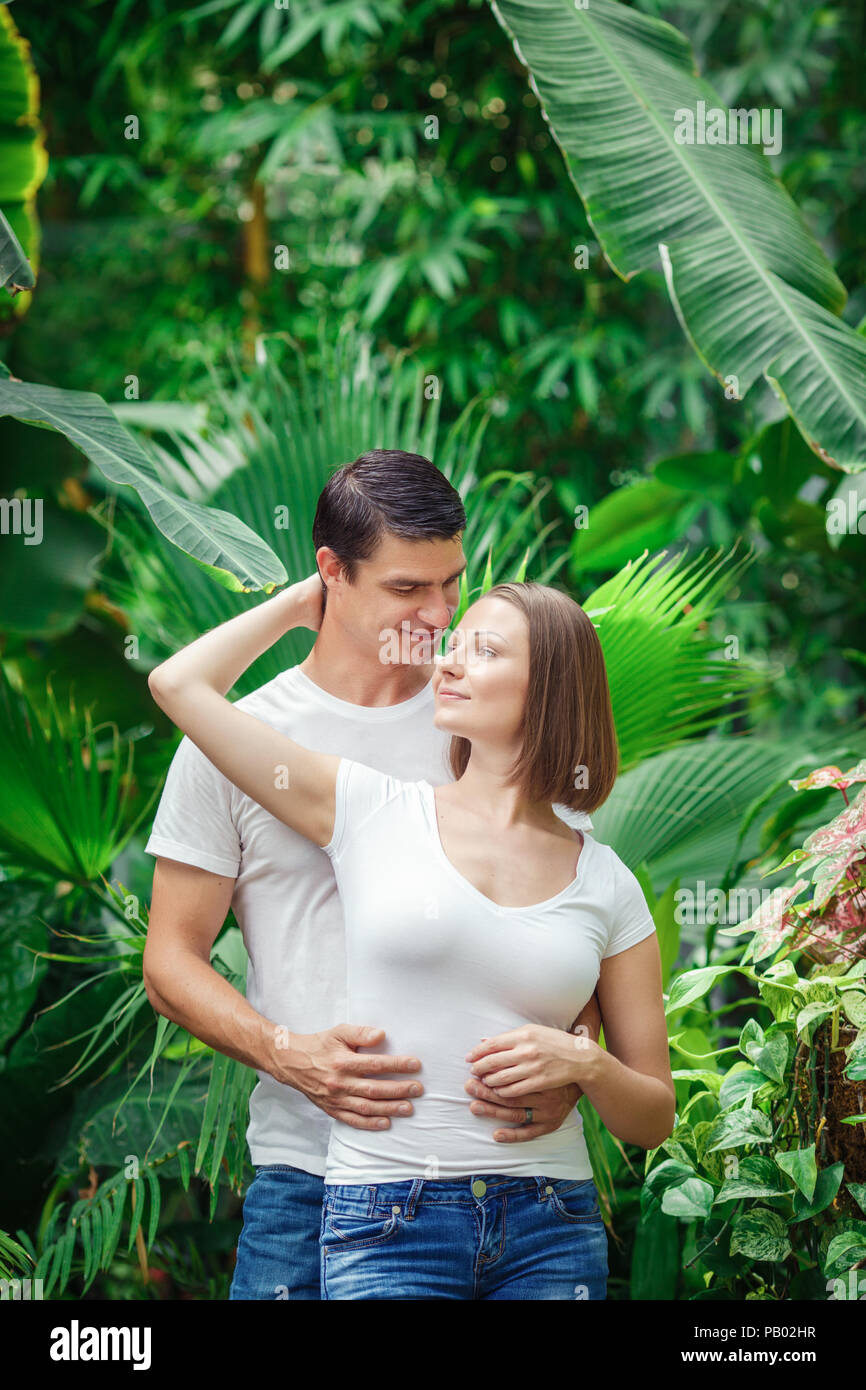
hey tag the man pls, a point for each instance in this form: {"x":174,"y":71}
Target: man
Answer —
{"x":387,"y":543}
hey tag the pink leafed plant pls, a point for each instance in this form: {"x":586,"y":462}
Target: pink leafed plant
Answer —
{"x":831,"y":925}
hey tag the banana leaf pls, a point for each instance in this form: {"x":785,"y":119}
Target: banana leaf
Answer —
{"x":752,"y":288}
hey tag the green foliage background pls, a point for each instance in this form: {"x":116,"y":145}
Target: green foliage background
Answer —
{"x":157,"y":264}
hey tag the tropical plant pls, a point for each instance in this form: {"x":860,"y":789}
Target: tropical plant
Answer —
{"x":765,"y":1172}
{"x":752,"y":288}
{"x":831,"y":926}
{"x":753,"y":491}
{"x":23,"y":165}
{"x":217,"y":542}
{"x":453,"y":245}
{"x":794,"y":1088}
{"x":66,"y":809}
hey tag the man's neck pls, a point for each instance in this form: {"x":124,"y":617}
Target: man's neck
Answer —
{"x":349,"y":674}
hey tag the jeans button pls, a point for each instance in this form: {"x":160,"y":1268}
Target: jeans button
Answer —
{"x":479,"y":1188}
{"x":395,"y":1210}
{"x":548,"y":1189}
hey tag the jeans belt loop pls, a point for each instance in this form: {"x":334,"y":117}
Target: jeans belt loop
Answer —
{"x":541,"y":1184}
{"x":414,"y":1197}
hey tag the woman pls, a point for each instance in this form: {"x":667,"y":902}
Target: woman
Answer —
{"x":477,"y":927}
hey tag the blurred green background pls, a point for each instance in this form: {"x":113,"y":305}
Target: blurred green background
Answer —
{"x":235,"y":195}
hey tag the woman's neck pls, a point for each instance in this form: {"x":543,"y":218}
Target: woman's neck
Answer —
{"x":485,"y":790}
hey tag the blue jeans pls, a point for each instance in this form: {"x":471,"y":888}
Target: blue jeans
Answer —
{"x":484,"y":1237}
{"x":278,"y":1252}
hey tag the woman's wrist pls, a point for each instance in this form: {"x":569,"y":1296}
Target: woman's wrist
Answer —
{"x":586,"y":1061}
{"x":219,"y":657}
{"x":304,"y":603}
{"x":287,"y":607}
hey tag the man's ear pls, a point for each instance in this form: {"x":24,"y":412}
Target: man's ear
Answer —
{"x":324,"y":588}
{"x":329,"y":566}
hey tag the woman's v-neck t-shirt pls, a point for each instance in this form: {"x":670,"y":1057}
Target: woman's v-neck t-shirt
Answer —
{"x":438,"y":965}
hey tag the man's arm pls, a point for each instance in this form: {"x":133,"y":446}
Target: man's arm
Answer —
{"x":589,"y":1020}
{"x":188,"y":908}
{"x":549,"y":1108}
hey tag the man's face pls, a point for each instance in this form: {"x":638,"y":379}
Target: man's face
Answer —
{"x":402,"y":599}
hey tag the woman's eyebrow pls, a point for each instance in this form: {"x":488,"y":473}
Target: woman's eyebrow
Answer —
{"x":482,"y":632}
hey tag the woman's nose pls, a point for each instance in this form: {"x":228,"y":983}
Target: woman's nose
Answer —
{"x":453,"y":656}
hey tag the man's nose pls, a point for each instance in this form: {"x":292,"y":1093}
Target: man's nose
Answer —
{"x":438,"y":614}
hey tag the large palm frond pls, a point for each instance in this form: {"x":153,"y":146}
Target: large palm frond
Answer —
{"x":668,"y":680}
{"x":752,"y":288}
{"x":67,"y":807}
{"x":686,"y":813}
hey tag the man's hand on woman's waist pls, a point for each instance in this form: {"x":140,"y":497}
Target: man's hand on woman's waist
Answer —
{"x":329,"y":1072}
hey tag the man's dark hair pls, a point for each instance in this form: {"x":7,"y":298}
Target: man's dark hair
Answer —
{"x":384,"y":491}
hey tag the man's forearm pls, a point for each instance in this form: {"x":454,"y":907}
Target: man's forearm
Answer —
{"x":192,"y":993}
{"x":589,"y":1020}
{"x":588,"y":1025}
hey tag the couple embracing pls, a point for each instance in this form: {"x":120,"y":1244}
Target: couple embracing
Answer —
{"x":433,"y":933}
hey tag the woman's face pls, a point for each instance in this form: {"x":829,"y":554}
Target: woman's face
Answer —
{"x":486,"y":664}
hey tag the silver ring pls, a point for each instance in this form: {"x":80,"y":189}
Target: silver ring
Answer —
{"x":527,"y":1110}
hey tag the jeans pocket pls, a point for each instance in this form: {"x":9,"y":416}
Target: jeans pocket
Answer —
{"x":343,"y":1227}
{"x":574,"y":1201}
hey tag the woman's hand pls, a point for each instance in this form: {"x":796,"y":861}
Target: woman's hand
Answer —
{"x":534,"y":1058}
{"x":296,"y":784}
{"x":309,"y":602}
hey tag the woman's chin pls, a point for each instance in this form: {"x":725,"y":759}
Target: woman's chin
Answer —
{"x":450,"y":721}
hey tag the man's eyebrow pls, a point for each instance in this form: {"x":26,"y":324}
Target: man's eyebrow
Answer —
{"x":420,"y":583}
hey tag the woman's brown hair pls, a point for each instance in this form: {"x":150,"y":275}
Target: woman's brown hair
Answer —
{"x":569,"y":752}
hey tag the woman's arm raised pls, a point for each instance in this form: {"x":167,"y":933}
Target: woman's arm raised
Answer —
{"x":296,"y":784}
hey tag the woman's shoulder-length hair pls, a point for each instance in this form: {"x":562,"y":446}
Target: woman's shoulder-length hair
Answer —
{"x":569,"y":752}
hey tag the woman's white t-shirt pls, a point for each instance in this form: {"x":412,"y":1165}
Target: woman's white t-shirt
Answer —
{"x":439,"y":966}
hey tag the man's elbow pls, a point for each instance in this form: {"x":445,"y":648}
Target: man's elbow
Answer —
{"x":155,"y":999}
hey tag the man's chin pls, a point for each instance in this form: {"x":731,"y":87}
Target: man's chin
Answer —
{"x":422,"y":653}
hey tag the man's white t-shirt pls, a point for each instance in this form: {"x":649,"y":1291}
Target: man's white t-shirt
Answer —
{"x":285,"y":899}
{"x":440,"y":966}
